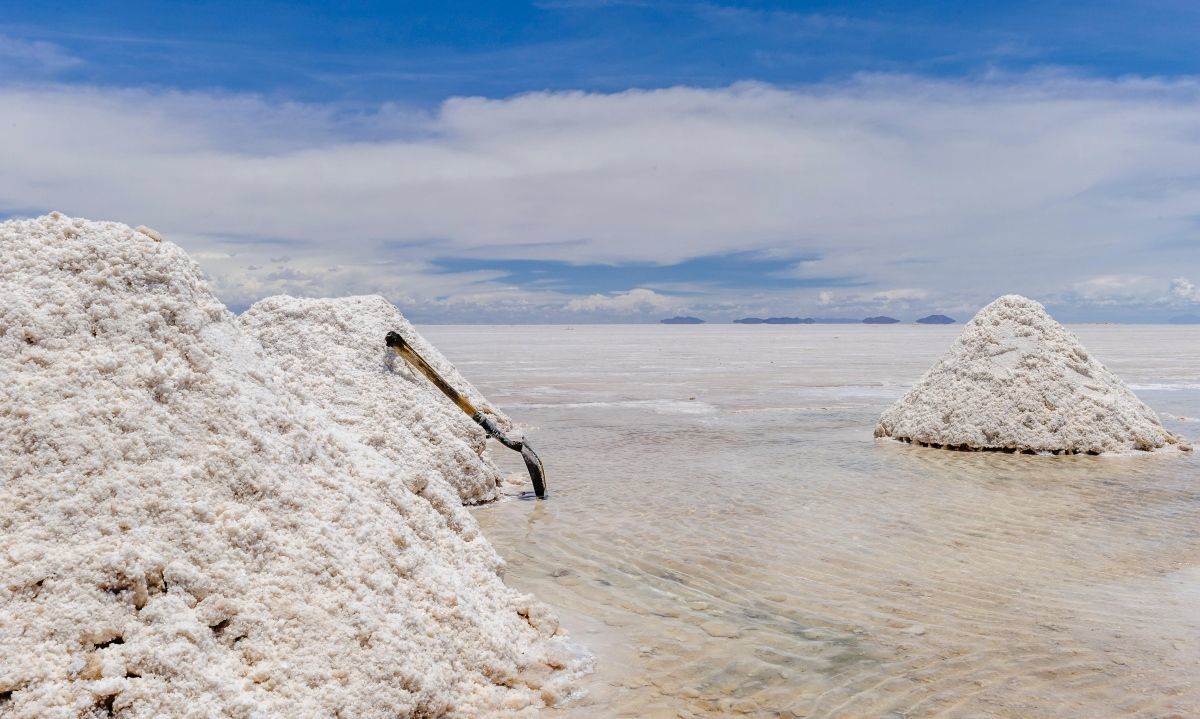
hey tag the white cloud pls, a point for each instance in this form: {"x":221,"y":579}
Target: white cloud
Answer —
{"x":1184,"y":289}
{"x":904,"y":294}
{"x":1132,"y":291}
{"x":1118,"y":288}
{"x":905,"y":302}
{"x":33,"y":56}
{"x":1030,"y":184}
{"x":635,"y":301}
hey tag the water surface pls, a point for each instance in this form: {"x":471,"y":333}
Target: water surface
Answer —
{"x":729,"y":539}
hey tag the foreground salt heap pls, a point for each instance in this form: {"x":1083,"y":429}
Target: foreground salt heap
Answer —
{"x":1016,"y":380}
{"x":183,"y":533}
{"x":334,"y":348}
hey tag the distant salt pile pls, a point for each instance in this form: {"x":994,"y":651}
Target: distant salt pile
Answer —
{"x":182,"y":532}
{"x":1016,"y":380}
{"x":334,"y":348}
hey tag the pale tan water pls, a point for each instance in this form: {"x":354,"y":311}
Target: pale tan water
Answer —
{"x":753,"y":551}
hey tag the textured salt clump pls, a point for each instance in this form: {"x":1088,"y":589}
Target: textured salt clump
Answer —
{"x":1016,"y":380}
{"x":184,"y":533}
{"x":335,"y":349}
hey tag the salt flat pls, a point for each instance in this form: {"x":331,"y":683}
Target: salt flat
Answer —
{"x":727,"y":536}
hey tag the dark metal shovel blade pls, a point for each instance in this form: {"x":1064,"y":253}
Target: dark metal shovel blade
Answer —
{"x":536,"y":471}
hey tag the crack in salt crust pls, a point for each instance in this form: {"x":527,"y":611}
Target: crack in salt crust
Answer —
{"x":185,"y":533}
{"x":1017,"y":381}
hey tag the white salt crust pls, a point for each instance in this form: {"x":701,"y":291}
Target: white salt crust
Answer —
{"x":184,"y":534}
{"x":334,"y":348}
{"x":1016,"y":380}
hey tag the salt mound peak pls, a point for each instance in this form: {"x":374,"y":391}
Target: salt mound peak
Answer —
{"x":184,"y":533}
{"x":1016,"y":380}
{"x":334,"y":348}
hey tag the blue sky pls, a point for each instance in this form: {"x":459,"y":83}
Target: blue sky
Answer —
{"x":423,"y":52}
{"x":592,"y":160}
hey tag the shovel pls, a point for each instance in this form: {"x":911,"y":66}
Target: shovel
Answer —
{"x":536,"y":472}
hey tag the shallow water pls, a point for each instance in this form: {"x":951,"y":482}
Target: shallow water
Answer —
{"x":728,"y":538}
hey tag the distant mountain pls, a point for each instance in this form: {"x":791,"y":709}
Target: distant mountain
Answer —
{"x":880,"y":320}
{"x":776,"y":321}
{"x":1185,"y":320}
{"x":936,"y":320}
{"x":682,"y":321}
{"x":797,"y":321}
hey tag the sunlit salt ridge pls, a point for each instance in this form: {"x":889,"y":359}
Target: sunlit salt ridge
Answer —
{"x":1016,"y":380}
{"x":184,"y":528}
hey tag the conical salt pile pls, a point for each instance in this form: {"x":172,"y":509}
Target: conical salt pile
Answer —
{"x":335,"y":349}
{"x":1016,"y":380}
{"x":183,"y":532}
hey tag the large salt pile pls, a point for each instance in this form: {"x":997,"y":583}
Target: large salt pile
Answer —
{"x":335,"y":349}
{"x":1016,"y":380}
{"x":183,"y":532}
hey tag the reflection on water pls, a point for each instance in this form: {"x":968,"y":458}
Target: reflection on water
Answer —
{"x":727,"y":537}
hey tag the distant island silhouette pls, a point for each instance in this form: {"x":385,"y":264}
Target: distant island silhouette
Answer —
{"x":796,"y":321}
{"x":936,"y":320}
{"x":775,"y":321}
{"x":880,"y":320}
{"x":682,"y":321}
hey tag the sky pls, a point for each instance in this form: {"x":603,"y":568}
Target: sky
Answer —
{"x":579,"y":161}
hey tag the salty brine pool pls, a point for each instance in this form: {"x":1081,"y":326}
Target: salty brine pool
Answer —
{"x":728,"y":539}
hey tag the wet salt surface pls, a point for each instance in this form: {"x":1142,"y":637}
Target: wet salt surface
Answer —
{"x":759,"y":554}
